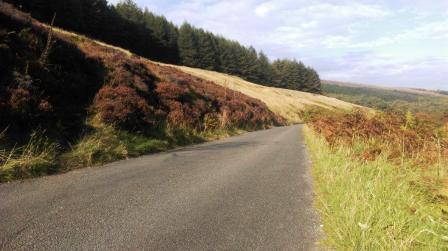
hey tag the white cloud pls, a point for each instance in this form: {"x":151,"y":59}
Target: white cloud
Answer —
{"x":430,"y":31}
{"x":347,"y":11}
{"x":265,"y":8}
{"x":336,"y":41}
{"x":383,"y":69}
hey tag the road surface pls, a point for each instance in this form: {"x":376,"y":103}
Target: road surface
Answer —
{"x":250,"y":192}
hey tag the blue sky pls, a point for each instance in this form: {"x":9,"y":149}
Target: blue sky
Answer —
{"x":386,"y":42}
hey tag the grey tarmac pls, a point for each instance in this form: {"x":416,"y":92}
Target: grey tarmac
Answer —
{"x":249,"y":192}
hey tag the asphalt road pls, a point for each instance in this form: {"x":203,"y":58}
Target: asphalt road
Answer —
{"x":250,"y":192}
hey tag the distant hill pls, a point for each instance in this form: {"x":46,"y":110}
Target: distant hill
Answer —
{"x":434,"y":103}
{"x":398,"y":89}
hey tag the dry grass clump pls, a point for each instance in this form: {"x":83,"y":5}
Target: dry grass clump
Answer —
{"x":104,"y":144}
{"x":36,"y":157}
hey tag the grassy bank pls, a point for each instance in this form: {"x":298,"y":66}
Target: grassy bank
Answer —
{"x":104,"y":144}
{"x":375,"y":204}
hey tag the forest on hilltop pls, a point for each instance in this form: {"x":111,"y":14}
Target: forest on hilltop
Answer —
{"x":128,"y":26}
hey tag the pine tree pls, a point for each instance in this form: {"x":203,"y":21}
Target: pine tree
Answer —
{"x":249,"y":67}
{"x":129,"y":10}
{"x":207,"y":50}
{"x":265,"y":70}
{"x":228,"y":55}
{"x":166,"y":34}
{"x":188,"y":46}
{"x":314,"y":84}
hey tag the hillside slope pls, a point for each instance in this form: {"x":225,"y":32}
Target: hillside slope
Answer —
{"x":66,"y":100}
{"x":289,"y":104}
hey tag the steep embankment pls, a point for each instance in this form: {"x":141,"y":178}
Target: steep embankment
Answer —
{"x":91,"y":103}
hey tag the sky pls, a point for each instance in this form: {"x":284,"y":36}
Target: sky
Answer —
{"x":401,"y":43}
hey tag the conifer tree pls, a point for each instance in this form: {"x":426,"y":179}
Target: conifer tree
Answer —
{"x":207,"y":50}
{"x":264,"y":68}
{"x":249,"y":67}
{"x":188,"y":46}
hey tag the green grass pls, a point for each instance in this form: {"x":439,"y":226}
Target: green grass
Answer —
{"x":373,"y":205}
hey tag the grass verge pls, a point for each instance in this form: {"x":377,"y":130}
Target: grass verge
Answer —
{"x":373,"y":205}
{"x":35,"y":158}
{"x":107,"y":144}
{"x":104,"y":144}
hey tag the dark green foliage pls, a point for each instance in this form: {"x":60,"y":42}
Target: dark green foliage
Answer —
{"x":265,"y":69}
{"x":188,"y":46}
{"x":167,"y":34}
{"x":295,"y":75}
{"x":207,"y":51}
{"x":140,"y":31}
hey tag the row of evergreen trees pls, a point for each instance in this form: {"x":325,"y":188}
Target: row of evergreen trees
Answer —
{"x":128,"y":26}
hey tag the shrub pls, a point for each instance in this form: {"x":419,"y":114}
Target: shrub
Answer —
{"x":21,"y":100}
{"x":172,"y":91}
{"x":123,"y":107}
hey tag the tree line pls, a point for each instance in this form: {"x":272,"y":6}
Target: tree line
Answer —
{"x":128,"y":26}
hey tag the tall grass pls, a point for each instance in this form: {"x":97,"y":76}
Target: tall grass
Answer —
{"x":373,"y":205}
{"x":36,"y":157}
{"x":103,"y":144}
{"x":107,"y":144}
